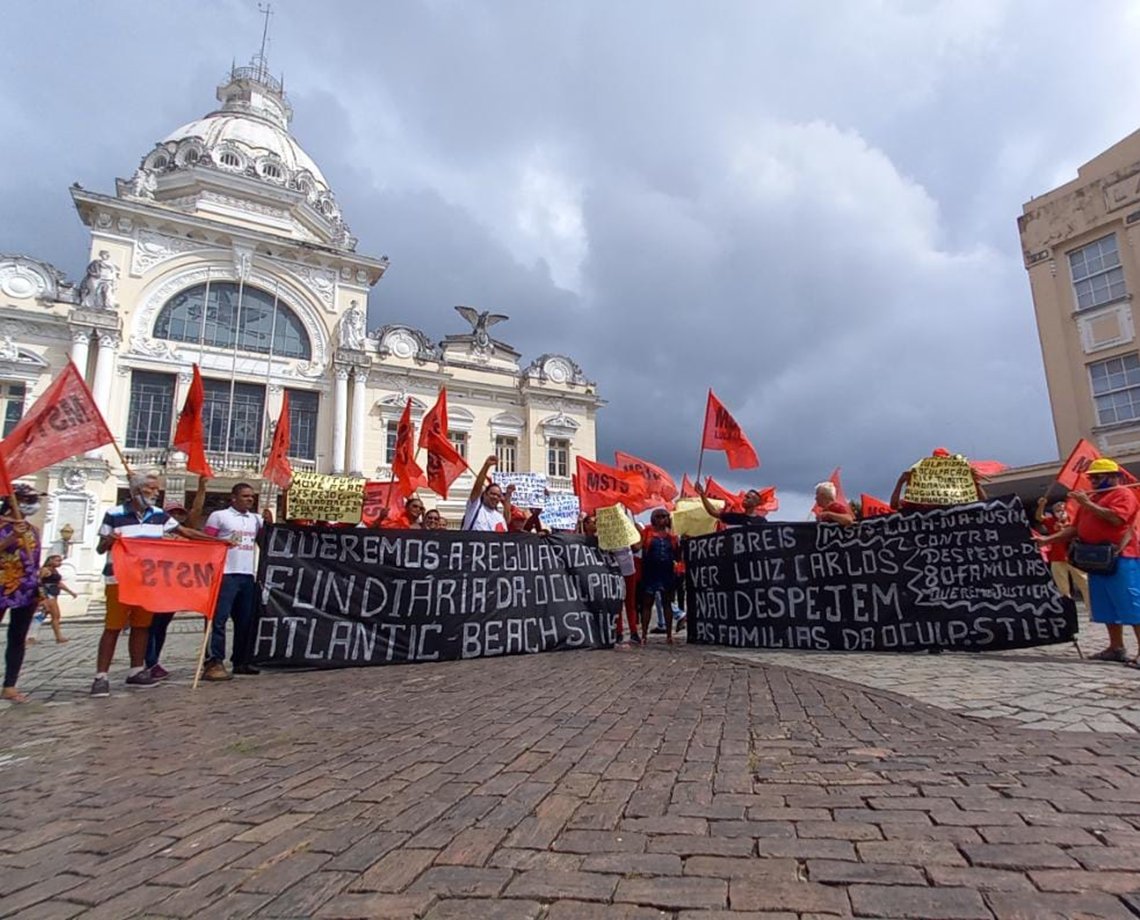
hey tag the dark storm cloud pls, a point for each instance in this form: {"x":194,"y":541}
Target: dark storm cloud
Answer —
{"x":810,"y":207}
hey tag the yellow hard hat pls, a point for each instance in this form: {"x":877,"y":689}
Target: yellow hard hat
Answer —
{"x":1103,"y":465}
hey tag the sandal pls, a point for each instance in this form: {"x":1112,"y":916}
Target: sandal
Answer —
{"x":12,"y":695}
{"x":1133,"y":663}
{"x":1110,"y":654}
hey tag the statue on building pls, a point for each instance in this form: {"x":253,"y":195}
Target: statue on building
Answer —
{"x":97,"y":290}
{"x":352,"y":328}
{"x":480,"y":323}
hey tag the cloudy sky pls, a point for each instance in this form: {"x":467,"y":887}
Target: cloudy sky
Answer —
{"x":809,"y":206}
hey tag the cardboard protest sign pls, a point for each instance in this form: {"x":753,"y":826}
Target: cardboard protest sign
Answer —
{"x":530,"y":488}
{"x":967,"y":578}
{"x":561,"y":511}
{"x":690,"y":518}
{"x":941,"y":481}
{"x":161,"y":575}
{"x":338,"y":597}
{"x":615,"y":529}
{"x":317,"y":497}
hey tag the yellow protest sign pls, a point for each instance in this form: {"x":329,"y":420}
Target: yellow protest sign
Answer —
{"x":941,"y":481}
{"x":615,"y":529}
{"x":317,"y":497}
{"x":690,"y":518}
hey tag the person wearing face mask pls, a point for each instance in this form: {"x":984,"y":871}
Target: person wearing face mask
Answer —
{"x":1106,"y":515}
{"x":139,"y":516}
{"x":19,"y":581}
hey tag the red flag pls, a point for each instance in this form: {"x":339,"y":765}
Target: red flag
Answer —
{"x":63,"y":422}
{"x":379,"y":495}
{"x":768,"y":500}
{"x":839,"y":496}
{"x":1074,"y":469}
{"x":189,"y":435}
{"x":873,"y":507}
{"x":733,"y":501}
{"x":723,"y":433}
{"x":6,"y":482}
{"x":661,"y":485}
{"x":278,"y":469}
{"x":444,"y":463}
{"x":988,"y":467}
{"x":151,"y":572}
{"x":405,"y":470}
{"x":600,"y":485}
{"x":687,"y":490}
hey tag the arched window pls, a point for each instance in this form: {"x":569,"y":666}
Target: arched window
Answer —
{"x":182,"y":319}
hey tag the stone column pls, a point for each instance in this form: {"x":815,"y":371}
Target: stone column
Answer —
{"x":340,"y":417}
{"x":359,"y":379}
{"x":80,"y":339}
{"x":104,"y":369}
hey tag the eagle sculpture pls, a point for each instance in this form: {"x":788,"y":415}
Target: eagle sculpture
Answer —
{"x":480,"y":323}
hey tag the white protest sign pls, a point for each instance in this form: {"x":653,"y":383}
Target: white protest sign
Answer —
{"x":530,"y":488}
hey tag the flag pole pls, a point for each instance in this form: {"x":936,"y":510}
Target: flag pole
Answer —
{"x":206,"y":630}
{"x":701,"y":455}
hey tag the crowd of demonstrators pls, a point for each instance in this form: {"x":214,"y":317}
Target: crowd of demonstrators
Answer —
{"x":1105,"y":518}
{"x":139,"y":516}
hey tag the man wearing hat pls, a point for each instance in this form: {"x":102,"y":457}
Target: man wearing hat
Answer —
{"x":1106,"y":515}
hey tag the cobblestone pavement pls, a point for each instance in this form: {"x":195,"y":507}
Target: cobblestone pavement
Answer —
{"x":656,"y":783}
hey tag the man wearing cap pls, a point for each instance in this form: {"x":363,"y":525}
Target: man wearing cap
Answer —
{"x":1106,"y":515}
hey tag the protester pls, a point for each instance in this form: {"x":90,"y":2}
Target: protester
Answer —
{"x":831,"y":510}
{"x":19,"y":580}
{"x":433,"y":520}
{"x":1057,"y":554}
{"x":1105,"y":516}
{"x":137,"y":517}
{"x":411,"y":518}
{"x":239,"y":526}
{"x":51,"y":584}
{"x":483,"y":512}
{"x":752,"y":505}
{"x":659,"y":552}
{"x":160,"y":622}
{"x":516,"y":523}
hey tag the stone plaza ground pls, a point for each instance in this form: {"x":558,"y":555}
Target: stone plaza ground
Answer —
{"x":667,"y":782}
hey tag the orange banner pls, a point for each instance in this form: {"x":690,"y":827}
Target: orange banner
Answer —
{"x":165,"y":575}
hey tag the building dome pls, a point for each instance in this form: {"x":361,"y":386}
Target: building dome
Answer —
{"x":247,"y":137}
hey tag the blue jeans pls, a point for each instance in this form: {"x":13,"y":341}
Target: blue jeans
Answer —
{"x":237,"y":598}
{"x":157,"y":637}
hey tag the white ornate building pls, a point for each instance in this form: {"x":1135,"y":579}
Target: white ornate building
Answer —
{"x":227,"y":248}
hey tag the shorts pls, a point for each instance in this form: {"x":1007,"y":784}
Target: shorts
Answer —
{"x":1115,"y":598}
{"x":120,"y":615}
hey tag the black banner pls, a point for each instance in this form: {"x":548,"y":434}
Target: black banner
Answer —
{"x":338,"y":597}
{"x":967,"y":578}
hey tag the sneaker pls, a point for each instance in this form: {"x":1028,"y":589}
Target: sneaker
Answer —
{"x":1110,"y":654}
{"x":679,"y":622}
{"x":158,"y":672}
{"x":246,"y":669}
{"x":657,"y":629}
{"x":215,"y":670}
{"x":634,"y":639}
{"x":101,"y":687}
{"x":141,"y":679}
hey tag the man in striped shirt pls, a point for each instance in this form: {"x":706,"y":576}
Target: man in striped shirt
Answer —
{"x":138,"y":517}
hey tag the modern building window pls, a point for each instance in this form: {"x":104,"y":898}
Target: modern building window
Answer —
{"x":458,"y":440}
{"x":1097,"y":275}
{"x":303,"y":406}
{"x":1116,"y":389}
{"x":12,"y":396}
{"x":391,"y":430}
{"x":234,"y":425}
{"x":506,"y":454}
{"x":151,"y":411}
{"x":558,"y":457}
{"x":254,"y":312}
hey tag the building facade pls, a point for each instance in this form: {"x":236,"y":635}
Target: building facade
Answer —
{"x":228,"y":249}
{"x":1081,"y":244}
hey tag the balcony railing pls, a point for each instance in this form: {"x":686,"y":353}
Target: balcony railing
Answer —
{"x":223,"y":464}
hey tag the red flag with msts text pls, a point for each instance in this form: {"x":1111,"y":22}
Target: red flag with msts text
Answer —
{"x":377,"y":496}
{"x":63,"y":422}
{"x":278,"y":469}
{"x":723,"y":433}
{"x":600,"y":486}
{"x":870,"y":506}
{"x":661,"y":485}
{"x":190,"y":433}
{"x":444,"y":463}
{"x":405,"y":470}
{"x":151,"y":572}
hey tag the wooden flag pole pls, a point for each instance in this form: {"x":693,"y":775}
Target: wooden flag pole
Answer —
{"x":202,"y":651}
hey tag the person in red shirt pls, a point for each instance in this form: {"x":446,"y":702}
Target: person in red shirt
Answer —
{"x":829,"y":508}
{"x":1057,"y":554}
{"x":1107,"y":515}
{"x":408,"y":519}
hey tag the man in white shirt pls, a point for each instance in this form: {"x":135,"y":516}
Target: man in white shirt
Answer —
{"x":483,"y":503}
{"x":238,"y":525}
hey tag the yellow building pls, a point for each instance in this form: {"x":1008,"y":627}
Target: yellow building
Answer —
{"x":227,"y":248}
